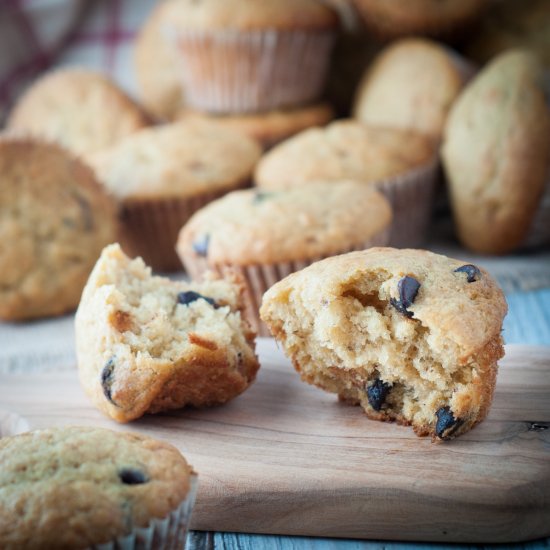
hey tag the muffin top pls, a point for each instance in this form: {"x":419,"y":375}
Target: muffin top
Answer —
{"x":76,"y":487}
{"x":270,"y":127}
{"x":55,"y":219}
{"x":255,"y":226}
{"x":496,"y":152}
{"x":177,"y":160}
{"x":411,"y":85}
{"x":458,"y":304}
{"x":81,"y":109}
{"x":156,"y":65}
{"x":251,"y":15}
{"x":343,"y":150}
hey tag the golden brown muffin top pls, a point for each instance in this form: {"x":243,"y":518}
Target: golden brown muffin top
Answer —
{"x":254,"y":226}
{"x":177,"y":160}
{"x":76,"y":487}
{"x":343,"y":150}
{"x":83,"y":110}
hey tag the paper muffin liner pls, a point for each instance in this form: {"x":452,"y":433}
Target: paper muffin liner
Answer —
{"x":260,"y":277}
{"x":169,"y":533}
{"x":539,"y":232}
{"x":411,"y":196}
{"x":235,"y":71}
{"x":150,"y":227}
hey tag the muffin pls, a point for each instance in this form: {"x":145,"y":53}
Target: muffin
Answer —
{"x":146,"y":344}
{"x":496,"y":154}
{"x":265,"y":235}
{"x":394,"y":18}
{"x":271,"y":127}
{"x":80,"y":109}
{"x":411,"y":336}
{"x":401,"y":163}
{"x":511,"y":24}
{"x":241,"y":56}
{"x":155,"y":65}
{"x":82,"y":487}
{"x":411,"y":85}
{"x":54,"y":220}
{"x":162,"y":175}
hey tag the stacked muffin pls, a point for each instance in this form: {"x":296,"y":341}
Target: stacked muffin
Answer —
{"x":259,"y":67}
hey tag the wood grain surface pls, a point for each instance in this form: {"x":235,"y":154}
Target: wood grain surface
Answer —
{"x":286,"y":458}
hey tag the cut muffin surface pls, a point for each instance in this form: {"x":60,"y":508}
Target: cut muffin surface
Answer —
{"x":409,"y":335}
{"x":147,"y":344}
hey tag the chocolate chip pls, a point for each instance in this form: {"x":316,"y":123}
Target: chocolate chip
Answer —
{"x":131,"y":476}
{"x":260,"y":196}
{"x":377,"y":393}
{"x":446,"y":424}
{"x":472,"y":272}
{"x":189,"y":296}
{"x":200,"y":246}
{"x":107,"y":378}
{"x":408,"y":289}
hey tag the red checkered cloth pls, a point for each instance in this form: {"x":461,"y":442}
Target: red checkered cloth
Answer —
{"x":36,"y":35}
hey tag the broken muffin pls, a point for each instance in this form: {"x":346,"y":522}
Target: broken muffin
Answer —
{"x":409,"y":335}
{"x":146,"y":344}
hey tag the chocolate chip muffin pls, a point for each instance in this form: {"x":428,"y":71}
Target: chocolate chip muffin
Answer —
{"x":80,"y":109}
{"x":54,"y":220}
{"x":155,"y":65}
{"x":162,"y":175}
{"x":271,"y":127}
{"x":81,"y":487}
{"x":411,"y":85}
{"x":411,"y":336}
{"x":266,"y":235}
{"x":245,"y":56}
{"x":400,"y":163}
{"x":146,"y":344}
{"x":496,"y":154}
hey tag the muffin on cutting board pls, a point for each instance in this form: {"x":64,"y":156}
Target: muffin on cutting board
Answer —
{"x":409,"y":335}
{"x":55,"y":218}
{"x":146,"y":344}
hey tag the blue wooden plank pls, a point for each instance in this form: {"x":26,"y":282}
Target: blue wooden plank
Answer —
{"x":527,"y":322}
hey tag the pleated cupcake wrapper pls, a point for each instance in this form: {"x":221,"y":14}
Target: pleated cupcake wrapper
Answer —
{"x":411,"y":196}
{"x":539,"y":232}
{"x":169,"y":533}
{"x":150,"y":227}
{"x":260,"y":277}
{"x":230,"y":71}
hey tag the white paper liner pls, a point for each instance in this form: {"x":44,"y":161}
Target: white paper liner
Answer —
{"x":236,"y":71}
{"x":150,"y":227}
{"x":169,"y":533}
{"x":411,"y":196}
{"x":260,"y":277}
{"x":539,"y":232}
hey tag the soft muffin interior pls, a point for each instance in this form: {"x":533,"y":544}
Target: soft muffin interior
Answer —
{"x":151,"y":322}
{"x":358,"y":345}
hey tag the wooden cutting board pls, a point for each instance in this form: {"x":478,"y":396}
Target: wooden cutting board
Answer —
{"x":287,"y":458}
